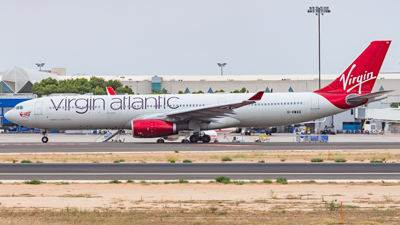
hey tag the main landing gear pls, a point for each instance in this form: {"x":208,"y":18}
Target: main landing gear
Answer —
{"x":160,"y":140}
{"x":45,"y":139}
{"x":196,"y":137}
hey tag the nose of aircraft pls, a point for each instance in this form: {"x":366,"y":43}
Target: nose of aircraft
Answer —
{"x":12,"y":116}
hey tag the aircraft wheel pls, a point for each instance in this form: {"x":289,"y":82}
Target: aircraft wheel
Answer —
{"x":206,"y":138}
{"x":45,"y":139}
{"x":215,"y":141}
{"x":183,"y":140}
{"x":194,"y":139}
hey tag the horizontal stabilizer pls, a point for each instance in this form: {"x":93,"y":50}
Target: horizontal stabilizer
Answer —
{"x":356,"y":99}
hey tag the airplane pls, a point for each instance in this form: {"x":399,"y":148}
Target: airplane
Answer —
{"x":162,"y":115}
{"x":211,"y":133}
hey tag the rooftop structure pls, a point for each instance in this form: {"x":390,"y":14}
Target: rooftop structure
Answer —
{"x":20,"y":80}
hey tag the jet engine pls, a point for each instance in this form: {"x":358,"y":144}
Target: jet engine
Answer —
{"x":152,"y":128}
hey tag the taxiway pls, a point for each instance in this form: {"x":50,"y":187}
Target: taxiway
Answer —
{"x":199,"y":171}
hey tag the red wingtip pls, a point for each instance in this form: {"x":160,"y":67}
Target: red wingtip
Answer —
{"x":257,"y":96}
{"x":110,"y":91}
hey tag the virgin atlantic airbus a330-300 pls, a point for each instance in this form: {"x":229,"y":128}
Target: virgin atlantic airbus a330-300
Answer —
{"x":152,"y":116}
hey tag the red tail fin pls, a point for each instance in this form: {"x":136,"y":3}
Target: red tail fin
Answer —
{"x":360,"y":76}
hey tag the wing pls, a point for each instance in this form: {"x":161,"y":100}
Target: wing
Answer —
{"x":206,"y":113}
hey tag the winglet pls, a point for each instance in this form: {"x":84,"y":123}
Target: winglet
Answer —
{"x":110,"y":91}
{"x":257,"y":96}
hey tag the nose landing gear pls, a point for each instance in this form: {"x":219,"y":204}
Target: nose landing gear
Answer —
{"x":45,"y":139}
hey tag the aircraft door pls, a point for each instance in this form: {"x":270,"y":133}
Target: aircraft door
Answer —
{"x":314,"y":103}
{"x":38,"y":108}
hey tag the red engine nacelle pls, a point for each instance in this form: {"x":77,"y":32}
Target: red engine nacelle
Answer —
{"x":152,"y":128}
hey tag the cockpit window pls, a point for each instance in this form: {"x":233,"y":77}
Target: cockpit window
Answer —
{"x":19,"y":107}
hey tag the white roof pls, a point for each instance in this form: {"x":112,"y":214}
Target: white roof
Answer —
{"x":225,"y":77}
{"x":19,"y":78}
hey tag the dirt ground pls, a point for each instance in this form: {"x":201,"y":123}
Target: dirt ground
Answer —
{"x":200,"y":203}
{"x":354,"y":156}
{"x":249,"y":196}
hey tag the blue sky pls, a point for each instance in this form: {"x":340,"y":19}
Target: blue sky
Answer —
{"x":185,"y":37}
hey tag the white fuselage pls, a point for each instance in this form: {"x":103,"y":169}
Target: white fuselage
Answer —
{"x":117,"y":111}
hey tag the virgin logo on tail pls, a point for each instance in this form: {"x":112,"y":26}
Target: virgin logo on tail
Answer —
{"x":359,"y":78}
{"x":355,"y":81}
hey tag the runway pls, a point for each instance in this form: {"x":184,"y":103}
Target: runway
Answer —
{"x":167,"y":147}
{"x":199,"y":171}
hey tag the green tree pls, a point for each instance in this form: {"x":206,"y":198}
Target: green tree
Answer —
{"x":97,"y":82}
{"x":243,"y":90}
{"x":199,"y":92}
{"x":163,"y":91}
{"x":82,"y":85}
{"x":125,"y":89}
{"x":99,"y":91}
{"x":45,"y":87}
{"x":95,"y":85}
{"x":114,"y":84}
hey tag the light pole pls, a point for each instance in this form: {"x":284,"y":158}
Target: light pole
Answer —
{"x":222,"y":66}
{"x":130,"y":82}
{"x":318,"y":11}
{"x":40,"y":65}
